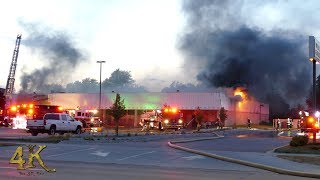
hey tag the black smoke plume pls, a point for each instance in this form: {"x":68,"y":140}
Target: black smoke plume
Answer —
{"x":235,"y":54}
{"x":57,"y":51}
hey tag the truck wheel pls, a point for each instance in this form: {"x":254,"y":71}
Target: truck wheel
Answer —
{"x":34,"y":133}
{"x":52,"y":130}
{"x":78,"y":130}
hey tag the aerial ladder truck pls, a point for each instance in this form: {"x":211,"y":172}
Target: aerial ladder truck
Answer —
{"x":11,"y":77}
{"x":10,"y":82}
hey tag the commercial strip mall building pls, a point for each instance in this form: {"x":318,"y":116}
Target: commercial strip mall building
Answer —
{"x":238,"y":108}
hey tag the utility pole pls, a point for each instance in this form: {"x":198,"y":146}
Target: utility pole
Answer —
{"x":314,"y":86}
{"x":100,"y":62}
{"x":314,"y":56}
{"x":261,"y":105}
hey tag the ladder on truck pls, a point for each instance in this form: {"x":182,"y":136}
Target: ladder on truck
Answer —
{"x":11,"y":78}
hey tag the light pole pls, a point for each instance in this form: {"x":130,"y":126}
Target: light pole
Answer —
{"x":261,"y":105}
{"x":100,"y":83}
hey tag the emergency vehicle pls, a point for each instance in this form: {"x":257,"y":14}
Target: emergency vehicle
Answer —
{"x":89,"y":118}
{"x":171,"y":118}
{"x":20,"y":113}
{"x":308,"y":123}
{"x":166,"y":118}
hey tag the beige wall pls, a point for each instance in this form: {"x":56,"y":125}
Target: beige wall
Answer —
{"x":247,"y":109}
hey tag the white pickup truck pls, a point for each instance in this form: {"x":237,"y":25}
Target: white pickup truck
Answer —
{"x":52,"y":123}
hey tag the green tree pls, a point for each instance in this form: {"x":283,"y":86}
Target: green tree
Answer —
{"x":86,"y":85}
{"x":118,"y":111}
{"x":118,"y":78}
{"x":223,"y":115}
{"x":120,"y":81}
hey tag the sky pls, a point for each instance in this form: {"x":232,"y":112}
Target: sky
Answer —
{"x":140,"y":36}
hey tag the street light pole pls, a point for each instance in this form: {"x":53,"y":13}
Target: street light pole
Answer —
{"x":100,"y":83}
{"x":261,"y":105}
{"x":314,"y":86}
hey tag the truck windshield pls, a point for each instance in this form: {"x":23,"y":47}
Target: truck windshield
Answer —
{"x":51,"y":116}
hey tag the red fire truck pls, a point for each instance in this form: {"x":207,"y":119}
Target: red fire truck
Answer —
{"x":171,"y":118}
{"x":17,"y":115}
{"x":308,"y":123}
{"x":166,"y":118}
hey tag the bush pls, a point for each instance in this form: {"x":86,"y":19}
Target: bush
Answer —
{"x":299,"y":141}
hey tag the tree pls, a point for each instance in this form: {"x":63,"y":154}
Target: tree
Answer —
{"x":198,"y":114}
{"x":118,"y":111}
{"x":121,"y":81}
{"x":223,"y":115}
{"x":118,"y":78}
{"x":86,"y":85}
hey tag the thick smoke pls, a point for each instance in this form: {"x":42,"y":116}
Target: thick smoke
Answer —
{"x":234,"y":54}
{"x":57,"y":51}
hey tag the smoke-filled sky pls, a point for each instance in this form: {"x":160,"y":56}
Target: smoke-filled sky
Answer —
{"x":258,"y":44}
{"x":57,"y":52}
{"x":231,"y":52}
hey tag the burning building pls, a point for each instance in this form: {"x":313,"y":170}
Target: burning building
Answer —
{"x":239,"y":105}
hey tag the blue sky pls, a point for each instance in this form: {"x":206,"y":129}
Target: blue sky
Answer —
{"x":135,"y":35}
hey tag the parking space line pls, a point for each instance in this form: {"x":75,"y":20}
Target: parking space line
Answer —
{"x":136,"y":155}
{"x":70,"y":152}
{"x":35,"y":169}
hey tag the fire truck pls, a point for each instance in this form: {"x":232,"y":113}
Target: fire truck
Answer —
{"x":308,"y":123}
{"x":89,"y":118}
{"x":166,"y":118}
{"x":17,"y":115}
{"x":171,"y":118}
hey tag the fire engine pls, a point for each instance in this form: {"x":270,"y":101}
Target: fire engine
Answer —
{"x":89,"y":118}
{"x":171,"y":118}
{"x":19,"y":114}
{"x":308,"y":123}
{"x":166,"y":118}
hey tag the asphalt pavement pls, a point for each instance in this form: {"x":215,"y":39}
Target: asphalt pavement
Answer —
{"x":98,"y":171}
{"x":152,"y":151}
{"x":256,"y":151}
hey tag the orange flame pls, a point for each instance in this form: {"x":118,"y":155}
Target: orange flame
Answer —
{"x":240,"y":92}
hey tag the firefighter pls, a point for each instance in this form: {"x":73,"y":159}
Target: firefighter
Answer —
{"x":289,"y":124}
{"x":278,"y":124}
{"x":299,"y":123}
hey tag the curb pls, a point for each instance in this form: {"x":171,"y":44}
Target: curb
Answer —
{"x":192,"y":140}
{"x":198,"y":139}
{"x":237,"y":161}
